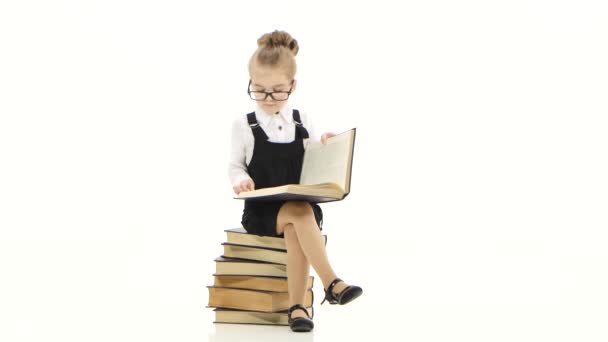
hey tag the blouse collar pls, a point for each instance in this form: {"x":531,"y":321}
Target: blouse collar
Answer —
{"x":264,"y":117}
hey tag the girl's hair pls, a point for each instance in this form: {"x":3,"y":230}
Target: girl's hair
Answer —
{"x":276,"y":49}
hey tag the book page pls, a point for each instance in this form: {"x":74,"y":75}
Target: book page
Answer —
{"x":328,"y":163}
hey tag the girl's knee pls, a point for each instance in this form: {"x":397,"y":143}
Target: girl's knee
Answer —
{"x":297,"y":208}
{"x":289,"y":230}
{"x":292,"y":214}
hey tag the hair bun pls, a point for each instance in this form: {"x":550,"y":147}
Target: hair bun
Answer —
{"x":279,"y":38}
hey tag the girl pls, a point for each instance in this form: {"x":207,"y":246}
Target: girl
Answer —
{"x":267,"y":150}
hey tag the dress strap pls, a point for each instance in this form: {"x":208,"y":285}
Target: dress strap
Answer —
{"x":301,"y":132}
{"x":258,"y":132}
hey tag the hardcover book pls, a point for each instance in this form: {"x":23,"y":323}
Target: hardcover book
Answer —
{"x":263,"y":283}
{"x":234,"y":316}
{"x":254,"y":300}
{"x":231,"y":266}
{"x":325,"y":177}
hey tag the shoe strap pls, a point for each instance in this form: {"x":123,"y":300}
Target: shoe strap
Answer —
{"x":298,"y":307}
{"x":331,"y":286}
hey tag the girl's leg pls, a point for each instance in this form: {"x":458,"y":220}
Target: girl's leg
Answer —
{"x":300,"y":216}
{"x":297,"y":270}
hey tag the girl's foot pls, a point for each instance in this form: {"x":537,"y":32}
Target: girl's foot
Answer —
{"x":299,"y":320}
{"x":339,"y":287}
{"x":338,"y":292}
{"x":300,"y":313}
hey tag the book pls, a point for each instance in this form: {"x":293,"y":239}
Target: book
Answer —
{"x":223,"y":315}
{"x":257,"y":253}
{"x":263,"y":283}
{"x":254,"y":300}
{"x":274,"y":255}
{"x":231,"y":266}
{"x":325,"y":176}
{"x":239,"y":236}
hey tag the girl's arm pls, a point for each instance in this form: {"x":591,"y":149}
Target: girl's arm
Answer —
{"x":237,"y":168}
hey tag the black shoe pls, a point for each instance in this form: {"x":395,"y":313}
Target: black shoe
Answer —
{"x":300,"y":324}
{"x":348,"y":294}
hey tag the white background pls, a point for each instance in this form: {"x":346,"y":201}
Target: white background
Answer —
{"x":479,"y":199}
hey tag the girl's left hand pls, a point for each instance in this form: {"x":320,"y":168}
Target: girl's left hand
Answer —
{"x":326,"y":136}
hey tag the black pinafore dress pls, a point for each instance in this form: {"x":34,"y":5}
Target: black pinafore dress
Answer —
{"x":273,"y":164}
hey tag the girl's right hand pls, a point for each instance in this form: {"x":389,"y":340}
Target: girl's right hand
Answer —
{"x":244,"y":185}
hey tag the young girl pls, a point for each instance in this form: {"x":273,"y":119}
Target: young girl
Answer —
{"x":267,"y":150}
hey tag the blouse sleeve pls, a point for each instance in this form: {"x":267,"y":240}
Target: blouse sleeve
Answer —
{"x":237,"y":168}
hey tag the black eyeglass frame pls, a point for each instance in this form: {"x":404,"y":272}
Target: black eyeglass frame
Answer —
{"x":267,"y":93}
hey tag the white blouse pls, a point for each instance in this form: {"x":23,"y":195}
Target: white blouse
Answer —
{"x":280,"y":128}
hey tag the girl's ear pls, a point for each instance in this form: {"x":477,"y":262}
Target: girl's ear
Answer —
{"x":294,"y":86}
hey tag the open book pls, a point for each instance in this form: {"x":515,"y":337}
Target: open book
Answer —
{"x":325,"y":177}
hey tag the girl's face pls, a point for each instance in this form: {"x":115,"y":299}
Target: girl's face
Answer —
{"x":271,"y":80}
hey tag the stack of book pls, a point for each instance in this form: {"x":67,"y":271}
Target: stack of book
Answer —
{"x":250,"y":280}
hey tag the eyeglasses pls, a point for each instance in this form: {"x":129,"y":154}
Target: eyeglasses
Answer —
{"x":263,"y":95}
